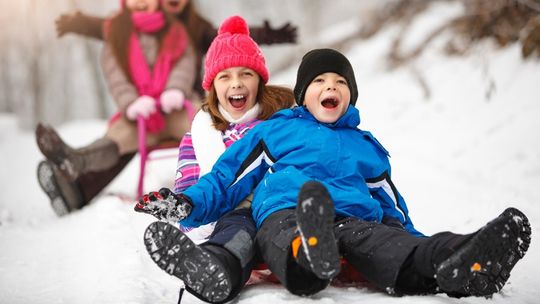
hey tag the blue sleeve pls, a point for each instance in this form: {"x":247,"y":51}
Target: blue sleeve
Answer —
{"x":392,"y":203}
{"x":385,"y":192}
{"x":234,"y":176}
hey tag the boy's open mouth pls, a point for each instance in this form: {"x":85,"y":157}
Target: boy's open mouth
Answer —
{"x":173,"y":3}
{"x":330,"y":103}
{"x":238,"y":101}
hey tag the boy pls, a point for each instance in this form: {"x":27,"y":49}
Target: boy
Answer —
{"x":321,"y":189}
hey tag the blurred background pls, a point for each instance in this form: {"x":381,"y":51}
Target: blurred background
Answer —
{"x":57,"y":79}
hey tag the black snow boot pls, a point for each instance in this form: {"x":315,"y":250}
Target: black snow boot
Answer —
{"x":205,"y":275}
{"x":315,"y":219}
{"x":482,"y":265}
{"x":65,"y":195}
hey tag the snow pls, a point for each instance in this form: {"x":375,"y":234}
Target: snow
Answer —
{"x":460,"y":155}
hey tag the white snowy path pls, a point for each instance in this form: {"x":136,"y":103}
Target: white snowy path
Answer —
{"x":459,"y":158}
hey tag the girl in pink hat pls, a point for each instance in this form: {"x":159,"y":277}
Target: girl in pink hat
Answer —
{"x":150,"y":66}
{"x":238,"y":99}
{"x":67,"y":195}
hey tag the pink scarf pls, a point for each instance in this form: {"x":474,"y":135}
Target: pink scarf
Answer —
{"x":152,"y":82}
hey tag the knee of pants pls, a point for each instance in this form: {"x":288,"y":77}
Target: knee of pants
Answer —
{"x":236,"y":232}
{"x":239,"y":219}
{"x":124,"y":133}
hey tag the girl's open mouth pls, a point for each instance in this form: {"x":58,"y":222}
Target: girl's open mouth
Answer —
{"x":238,"y":101}
{"x":330,"y":103}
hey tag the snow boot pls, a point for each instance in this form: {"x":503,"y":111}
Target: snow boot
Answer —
{"x":315,"y":219}
{"x":203,"y":273}
{"x":92,"y":183}
{"x":65,"y":195}
{"x":482,"y":265}
{"x":100,"y":155}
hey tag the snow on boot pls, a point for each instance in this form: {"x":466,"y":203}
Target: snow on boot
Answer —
{"x":100,"y":155}
{"x":482,"y":265}
{"x":315,"y":218}
{"x":175,"y":253}
{"x":65,"y":195}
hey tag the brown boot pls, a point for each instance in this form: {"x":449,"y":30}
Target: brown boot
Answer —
{"x":65,"y":195}
{"x":100,"y":155}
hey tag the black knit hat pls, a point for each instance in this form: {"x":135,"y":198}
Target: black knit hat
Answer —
{"x":319,"y":61}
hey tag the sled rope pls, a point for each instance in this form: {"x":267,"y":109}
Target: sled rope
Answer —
{"x":180,"y":294}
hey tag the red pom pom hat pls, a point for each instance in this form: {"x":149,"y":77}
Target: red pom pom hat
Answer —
{"x":233,"y":47}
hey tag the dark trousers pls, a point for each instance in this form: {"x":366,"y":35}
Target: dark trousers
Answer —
{"x":233,"y":243}
{"x":376,"y":250}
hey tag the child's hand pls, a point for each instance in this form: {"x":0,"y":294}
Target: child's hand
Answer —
{"x":171,"y":99}
{"x":165,"y":205}
{"x":284,"y":34}
{"x":143,"y":106}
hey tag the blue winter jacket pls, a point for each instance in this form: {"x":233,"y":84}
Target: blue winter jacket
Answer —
{"x":279,"y":155}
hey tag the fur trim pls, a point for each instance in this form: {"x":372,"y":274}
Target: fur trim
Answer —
{"x":207,"y":141}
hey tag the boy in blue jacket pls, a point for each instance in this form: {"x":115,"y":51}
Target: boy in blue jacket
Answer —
{"x":322,"y":188}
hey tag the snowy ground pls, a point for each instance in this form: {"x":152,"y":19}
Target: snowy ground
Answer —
{"x":459,"y":158}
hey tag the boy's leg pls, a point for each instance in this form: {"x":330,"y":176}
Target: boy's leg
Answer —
{"x":234,"y":236}
{"x":315,"y":219}
{"x":215,"y":271}
{"x":375,"y":250}
{"x":204,"y":275}
{"x":299,"y":245}
{"x":274,"y":240}
{"x":481,"y":264}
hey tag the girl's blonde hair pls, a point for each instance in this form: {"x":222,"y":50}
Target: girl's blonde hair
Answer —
{"x":271,"y":99}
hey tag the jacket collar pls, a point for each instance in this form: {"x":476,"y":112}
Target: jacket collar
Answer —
{"x":351,"y":118}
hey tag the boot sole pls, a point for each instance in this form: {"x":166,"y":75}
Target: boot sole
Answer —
{"x":315,"y":218}
{"x":47,"y":182}
{"x":175,"y":253}
{"x":482,"y":266}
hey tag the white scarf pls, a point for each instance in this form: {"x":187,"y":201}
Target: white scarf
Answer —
{"x":208,"y":141}
{"x":248,"y":116}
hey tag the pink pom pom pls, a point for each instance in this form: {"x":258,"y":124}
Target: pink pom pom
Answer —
{"x":234,"y":25}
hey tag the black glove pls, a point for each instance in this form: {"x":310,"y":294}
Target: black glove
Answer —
{"x":165,"y":205}
{"x":392,"y":222}
{"x":267,"y":35}
{"x":81,"y":24}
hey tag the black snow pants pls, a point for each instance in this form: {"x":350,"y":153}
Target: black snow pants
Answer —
{"x":233,"y":243}
{"x":376,"y":250}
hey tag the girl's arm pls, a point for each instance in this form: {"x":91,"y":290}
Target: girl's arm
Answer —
{"x":268,"y":35}
{"x":122,"y":90}
{"x":182,"y":76}
{"x":80,"y":24}
{"x":188,"y":170}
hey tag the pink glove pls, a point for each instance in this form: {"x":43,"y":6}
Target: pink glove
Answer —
{"x":171,"y":99}
{"x":143,"y":105}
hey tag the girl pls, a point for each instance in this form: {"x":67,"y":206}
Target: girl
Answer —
{"x":238,"y":99}
{"x":201,"y":31}
{"x":72,"y":195}
{"x":149,"y":65}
